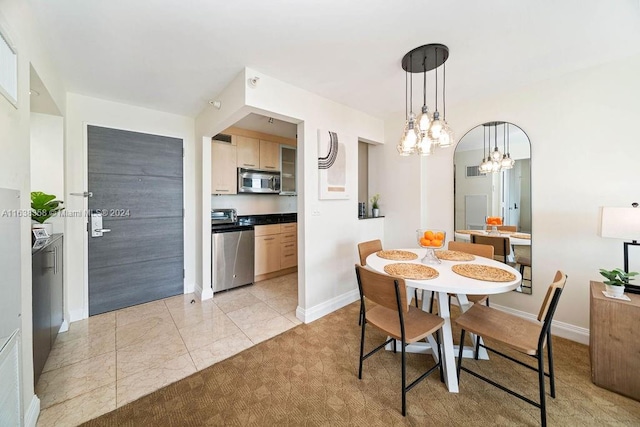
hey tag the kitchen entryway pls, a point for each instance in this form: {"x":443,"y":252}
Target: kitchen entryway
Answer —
{"x":111,"y":359}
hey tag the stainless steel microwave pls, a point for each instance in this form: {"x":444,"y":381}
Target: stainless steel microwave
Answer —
{"x":258,"y":181}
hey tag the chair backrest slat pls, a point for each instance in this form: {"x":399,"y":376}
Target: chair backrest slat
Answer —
{"x":380,"y":288}
{"x":472,"y":248}
{"x":501,"y":244}
{"x":367,"y":248}
{"x":558,"y":283}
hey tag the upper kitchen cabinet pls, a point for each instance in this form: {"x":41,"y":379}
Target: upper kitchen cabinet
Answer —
{"x":223,"y":168}
{"x":248,"y":152}
{"x":269,"y":155}
{"x":288,"y":170}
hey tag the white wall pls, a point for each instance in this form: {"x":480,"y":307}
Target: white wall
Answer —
{"x":17,"y":23}
{"x":47,"y":159}
{"x":326,"y":241}
{"x":83,"y":111}
{"x":584,"y":153}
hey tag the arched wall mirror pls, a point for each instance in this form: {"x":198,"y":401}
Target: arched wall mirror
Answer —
{"x":485,"y":187}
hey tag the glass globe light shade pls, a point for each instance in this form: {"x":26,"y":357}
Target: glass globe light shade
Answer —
{"x":495,"y":166}
{"x":412,"y":136}
{"x":424,"y":120}
{"x":425,"y":146}
{"x":485,"y":166}
{"x":506,"y":162}
{"x":402,"y":144}
{"x":496,"y":155}
{"x":436,"y":127}
{"x":446,"y":135}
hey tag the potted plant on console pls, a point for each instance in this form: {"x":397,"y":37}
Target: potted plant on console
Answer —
{"x":43,"y":207}
{"x":375,"y":208}
{"x":616,"y":280}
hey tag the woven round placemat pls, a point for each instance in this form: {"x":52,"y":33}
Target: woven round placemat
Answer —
{"x":521,"y":236}
{"x":411,"y":271}
{"x":397,"y":255}
{"x":454,"y":256}
{"x":483,"y":272}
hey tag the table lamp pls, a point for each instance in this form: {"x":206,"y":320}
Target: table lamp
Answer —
{"x":622,"y":223}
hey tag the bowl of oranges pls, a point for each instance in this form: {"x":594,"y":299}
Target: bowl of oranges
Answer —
{"x":431,"y":239}
{"x":492,"y":225}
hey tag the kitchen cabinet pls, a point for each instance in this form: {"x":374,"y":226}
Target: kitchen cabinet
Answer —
{"x":288,"y":245}
{"x":276,"y":249}
{"x":223,"y":168}
{"x":248,"y":152}
{"x":47,"y":308}
{"x":267,"y":251}
{"x":269,"y":155}
{"x":288,"y":170}
{"x":614,"y":342}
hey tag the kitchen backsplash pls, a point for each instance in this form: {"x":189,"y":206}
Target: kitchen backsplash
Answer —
{"x":252,"y":204}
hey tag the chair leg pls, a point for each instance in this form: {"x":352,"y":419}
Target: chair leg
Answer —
{"x":361,"y":349}
{"x":361,"y":314}
{"x":433,"y":295}
{"x":404,"y":382}
{"x":477,"y":349}
{"x":487,"y":301}
{"x":543,"y":408}
{"x":416,"y":296}
{"x":460,"y":349}
{"x":439,"y":355}
{"x":552,"y":382}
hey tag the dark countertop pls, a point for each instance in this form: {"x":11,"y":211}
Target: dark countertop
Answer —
{"x":247,"y":222}
{"x":279,"y":218}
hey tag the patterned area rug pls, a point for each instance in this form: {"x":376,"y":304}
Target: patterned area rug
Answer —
{"x":308,"y":376}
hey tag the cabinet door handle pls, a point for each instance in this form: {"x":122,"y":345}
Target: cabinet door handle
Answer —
{"x":248,"y":164}
{"x":221,"y":190}
{"x":288,"y":255}
{"x":55,"y":260}
{"x":270,"y":238}
{"x":288,"y":246}
{"x":269,"y":167}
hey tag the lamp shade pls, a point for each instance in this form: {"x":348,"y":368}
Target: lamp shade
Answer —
{"x":620,"y":223}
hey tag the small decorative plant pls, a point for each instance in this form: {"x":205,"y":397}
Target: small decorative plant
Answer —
{"x":617,"y":276}
{"x":44,"y":206}
{"x":374,"y":201}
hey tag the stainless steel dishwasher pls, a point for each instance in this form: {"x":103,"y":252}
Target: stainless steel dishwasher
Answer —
{"x":232,"y":256}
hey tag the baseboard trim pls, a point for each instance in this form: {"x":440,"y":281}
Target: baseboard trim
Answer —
{"x":33,"y":412}
{"x":64,"y":327}
{"x":202,"y":294}
{"x":322,"y":309}
{"x":75,"y":315}
{"x":560,"y":329}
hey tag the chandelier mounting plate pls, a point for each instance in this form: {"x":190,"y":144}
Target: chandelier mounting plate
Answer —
{"x":425,"y":58}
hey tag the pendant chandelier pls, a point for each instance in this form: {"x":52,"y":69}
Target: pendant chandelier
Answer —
{"x":495,"y":161}
{"x":424,"y":133}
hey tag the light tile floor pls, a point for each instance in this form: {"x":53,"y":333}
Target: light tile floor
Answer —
{"x":111,"y":359}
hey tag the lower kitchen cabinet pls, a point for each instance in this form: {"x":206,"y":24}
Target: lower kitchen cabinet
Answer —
{"x":276,"y":249}
{"x":47,"y":304}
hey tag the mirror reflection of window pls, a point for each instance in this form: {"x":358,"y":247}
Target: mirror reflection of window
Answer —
{"x":501,"y":192}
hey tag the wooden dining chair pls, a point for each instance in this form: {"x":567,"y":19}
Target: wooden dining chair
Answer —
{"x":364,"y":250}
{"x":501,"y":245}
{"x":507,"y":228}
{"x":395,"y":317}
{"x":524,"y":336}
{"x":474,"y":249}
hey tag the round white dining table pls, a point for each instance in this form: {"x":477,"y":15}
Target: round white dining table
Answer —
{"x":450,"y":282}
{"x":515,"y":241}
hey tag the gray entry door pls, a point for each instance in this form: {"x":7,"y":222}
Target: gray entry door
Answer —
{"x":136,"y":181}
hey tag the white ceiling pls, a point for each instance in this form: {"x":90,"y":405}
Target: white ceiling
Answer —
{"x":175,"y":56}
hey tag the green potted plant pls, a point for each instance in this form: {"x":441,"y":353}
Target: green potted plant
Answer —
{"x":616,"y":280}
{"x":43,"y":207}
{"x":375,"y":208}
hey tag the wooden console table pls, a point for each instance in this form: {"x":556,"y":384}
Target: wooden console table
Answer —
{"x":614,"y":342}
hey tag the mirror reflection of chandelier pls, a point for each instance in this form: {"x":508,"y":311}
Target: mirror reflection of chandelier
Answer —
{"x":422,"y":134}
{"x":496,"y":161}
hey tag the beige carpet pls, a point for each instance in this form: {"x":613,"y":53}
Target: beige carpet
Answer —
{"x":307,"y":376}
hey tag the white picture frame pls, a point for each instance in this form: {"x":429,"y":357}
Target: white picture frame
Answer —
{"x":40,"y":233}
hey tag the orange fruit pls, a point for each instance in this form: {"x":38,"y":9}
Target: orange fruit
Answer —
{"x":424,"y":242}
{"x":428,"y":235}
{"x":440,"y":235}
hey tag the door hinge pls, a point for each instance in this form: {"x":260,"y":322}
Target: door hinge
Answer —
{"x":183,"y":274}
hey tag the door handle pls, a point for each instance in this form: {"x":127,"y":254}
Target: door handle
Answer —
{"x":83,"y":194}
{"x":96,"y":224}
